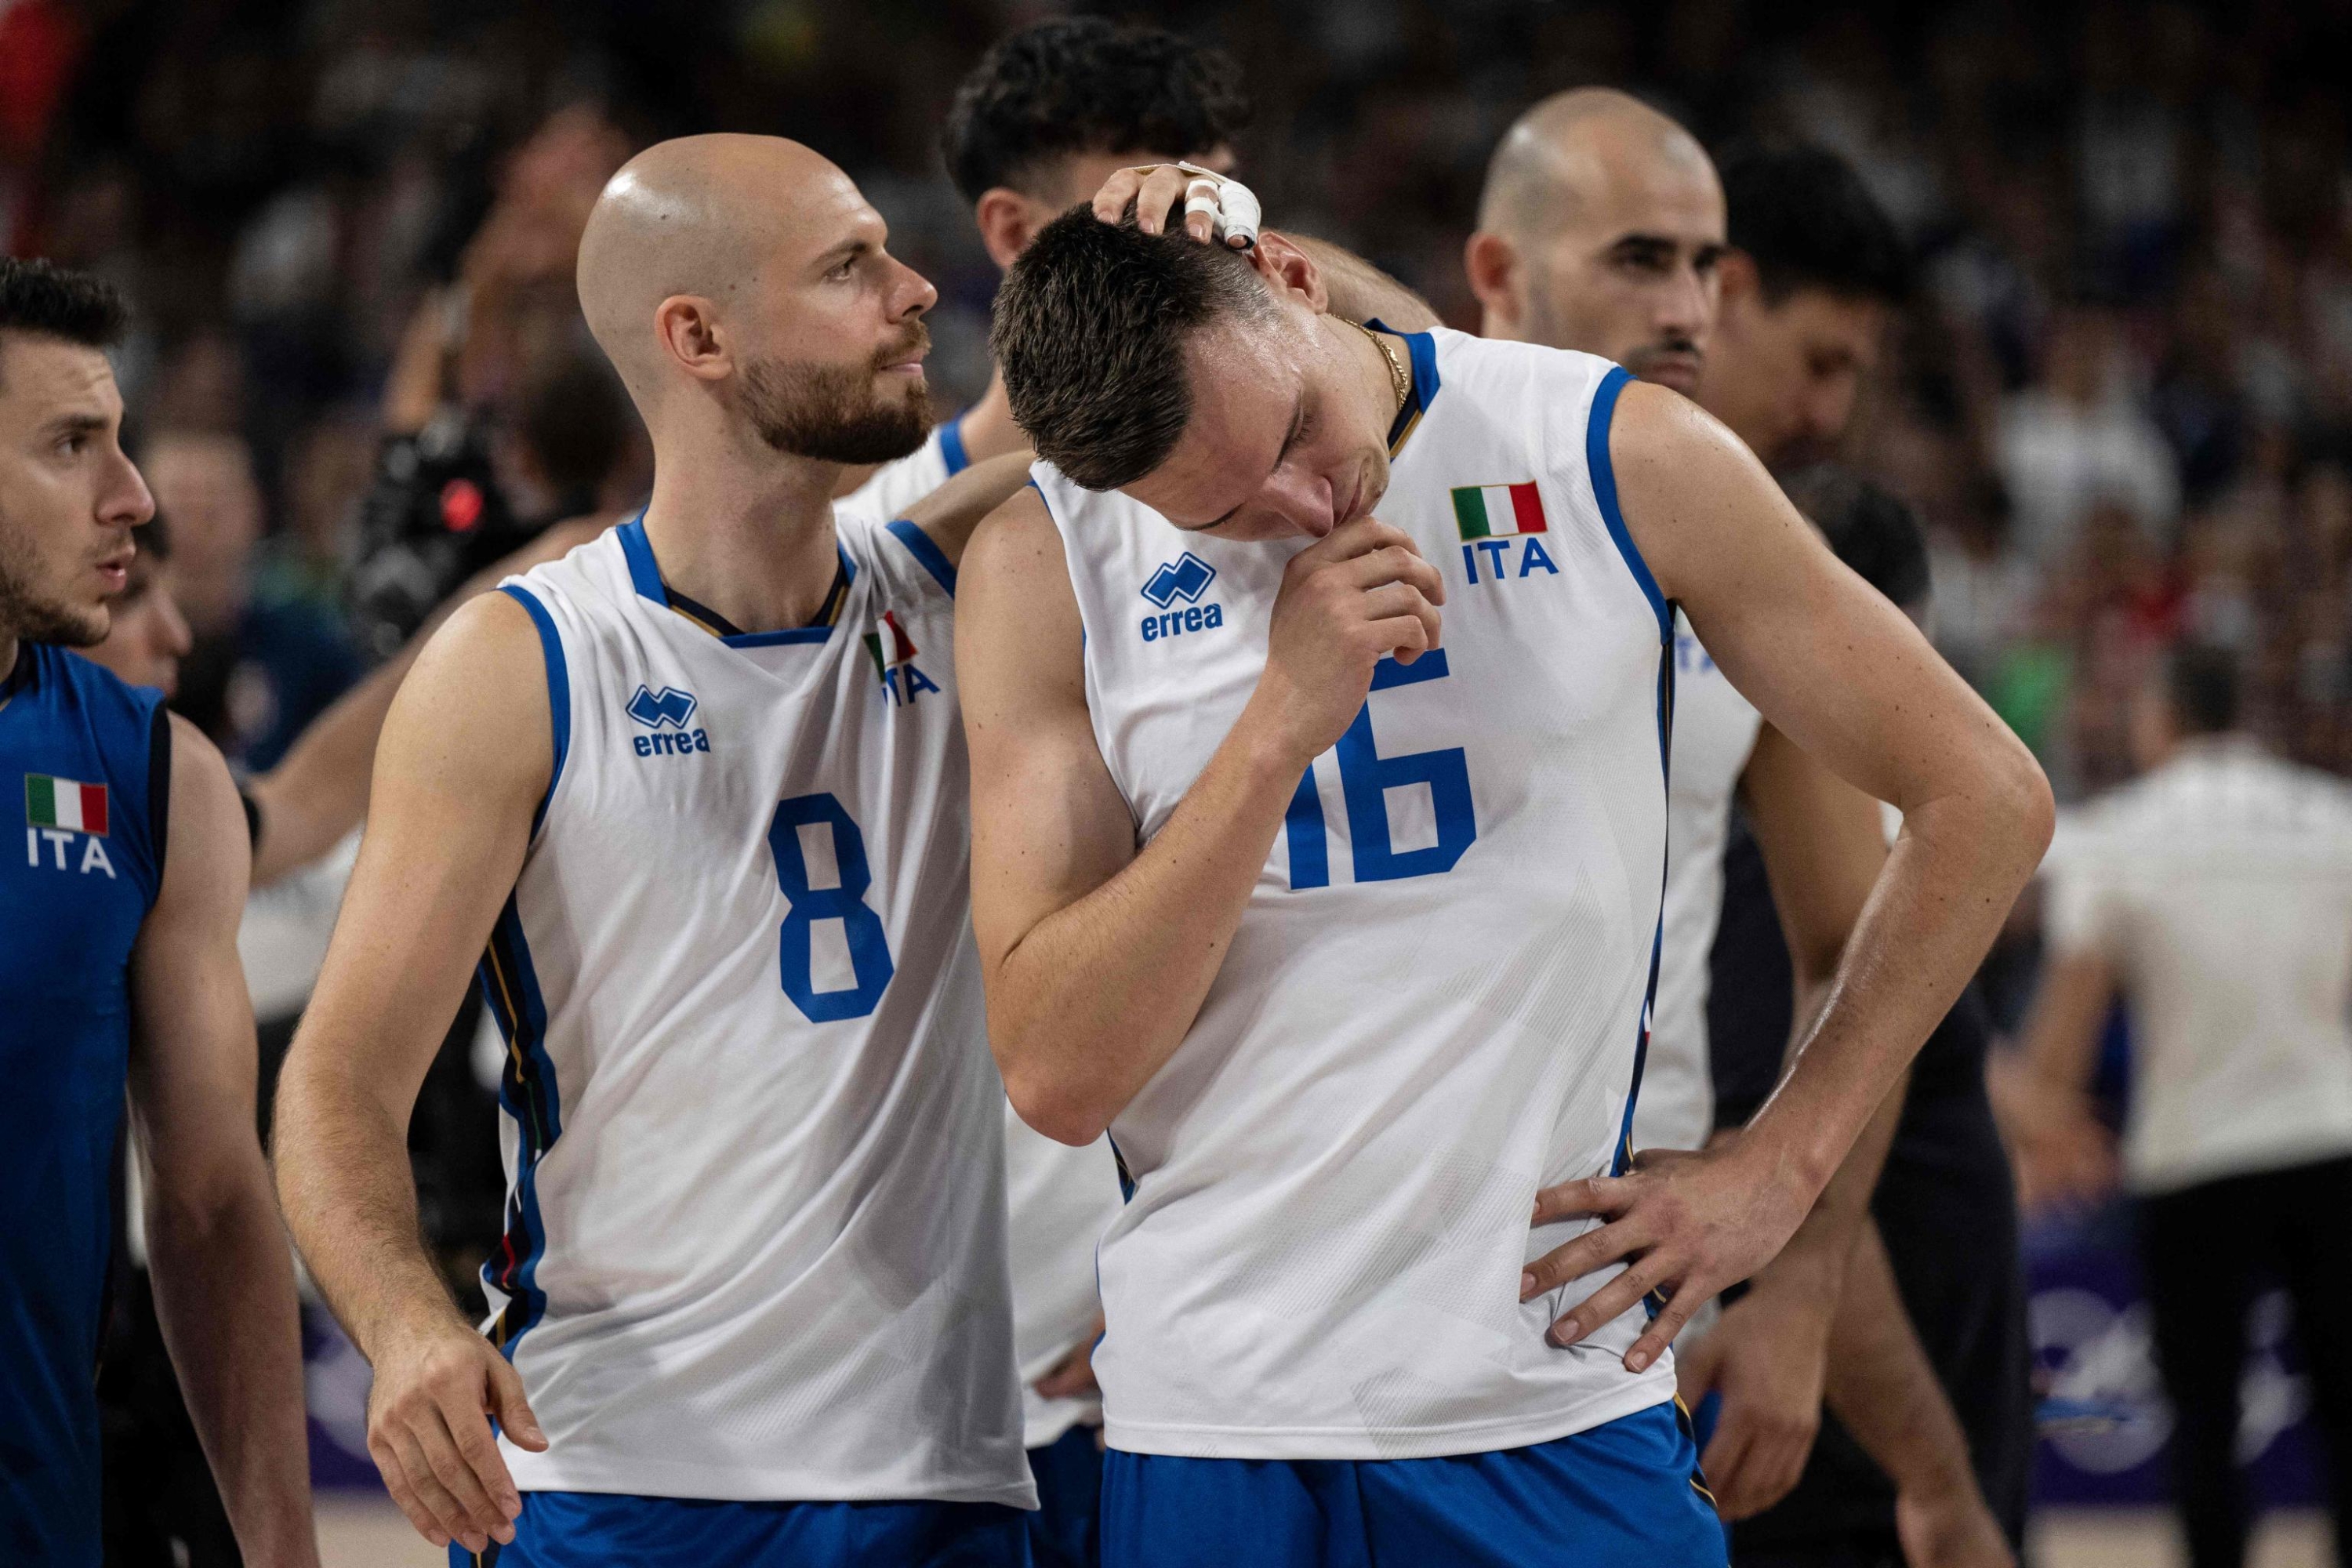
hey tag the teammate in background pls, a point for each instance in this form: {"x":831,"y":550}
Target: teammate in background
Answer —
{"x":1342,"y":1075}
{"x":1807,"y":293}
{"x":119,"y":964}
{"x":1037,"y":125}
{"x":693,"y":795}
{"x":2213,"y":892}
{"x":1602,"y":227}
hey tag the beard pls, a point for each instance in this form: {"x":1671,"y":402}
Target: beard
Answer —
{"x":25,"y":615}
{"x":835,"y":413}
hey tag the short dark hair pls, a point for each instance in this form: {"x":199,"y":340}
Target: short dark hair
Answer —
{"x":1869,"y":527}
{"x":82,"y":308}
{"x":1807,"y":221}
{"x":1090,"y":329}
{"x":1082,"y":84}
{"x":2201,"y":681}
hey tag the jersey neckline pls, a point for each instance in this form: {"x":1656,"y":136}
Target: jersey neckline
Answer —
{"x":1422,"y":350}
{"x":645,"y":575}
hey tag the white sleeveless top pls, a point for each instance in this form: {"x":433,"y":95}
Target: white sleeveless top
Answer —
{"x":755,"y":1237}
{"x":1715,"y":731}
{"x":1436,"y":1000}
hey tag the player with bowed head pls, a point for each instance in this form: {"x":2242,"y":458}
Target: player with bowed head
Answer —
{"x":1342,"y":916}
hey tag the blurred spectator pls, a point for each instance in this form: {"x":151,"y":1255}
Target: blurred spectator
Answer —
{"x":2079,"y":438}
{"x":2215,"y":894}
{"x":261,"y":669}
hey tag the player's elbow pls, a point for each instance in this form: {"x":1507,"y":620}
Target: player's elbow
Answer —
{"x":2019,"y":803}
{"x":1050,"y":1103}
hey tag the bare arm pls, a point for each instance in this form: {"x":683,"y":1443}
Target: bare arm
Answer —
{"x":1360,"y":291}
{"x":1822,"y":847}
{"x":2063,"y":1152}
{"x":1846,"y":678}
{"x":951,"y":514}
{"x":224,"y":1283}
{"x":466,"y":756}
{"x":1882,"y":1387}
{"x":1096,"y":954}
{"x":318,"y":790}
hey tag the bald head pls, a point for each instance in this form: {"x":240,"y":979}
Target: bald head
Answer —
{"x":745,"y":278}
{"x":1598,"y":229}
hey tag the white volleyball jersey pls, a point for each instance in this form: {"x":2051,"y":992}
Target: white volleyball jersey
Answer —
{"x":1435,"y":1001}
{"x":1062,"y":1200}
{"x":755,"y":1235}
{"x":895,"y":487}
{"x":1714,"y":732}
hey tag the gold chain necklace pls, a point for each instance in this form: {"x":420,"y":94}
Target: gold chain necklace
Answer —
{"x":1399,"y":382}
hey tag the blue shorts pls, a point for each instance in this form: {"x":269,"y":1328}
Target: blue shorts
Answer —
{"x":1067,"y":1531}
{"x":1625,"y":1495}
{"x":600,"y":1530}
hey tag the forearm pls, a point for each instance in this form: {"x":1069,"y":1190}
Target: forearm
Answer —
{"x":1881,"y":1386}
{"x":225,"y":1297}
{"x":350,"y":1198}
{"x":319,"y":792}
{"x":1947,"y":885}
{"x":1820,"y":1255}
{"x":1090,"y":1002}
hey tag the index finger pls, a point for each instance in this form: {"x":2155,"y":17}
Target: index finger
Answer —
{"x":1577,"y":1200}
{"x":1117,"y":191}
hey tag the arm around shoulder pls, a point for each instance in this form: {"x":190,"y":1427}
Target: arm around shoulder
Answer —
{"x":224,"y":1285}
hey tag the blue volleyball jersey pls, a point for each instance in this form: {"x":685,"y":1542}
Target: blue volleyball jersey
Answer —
{"x":85,"y":759}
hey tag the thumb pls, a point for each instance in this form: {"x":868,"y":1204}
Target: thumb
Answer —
{"x":512,"y":1409}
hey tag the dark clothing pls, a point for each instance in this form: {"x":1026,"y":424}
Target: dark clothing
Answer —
{"x":2207,"y":1250}
{"x":1946,"y":1210}
{"x":88,"y":761}
{"x":254,"y":690}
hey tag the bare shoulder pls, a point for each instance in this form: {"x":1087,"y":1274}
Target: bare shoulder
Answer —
{"x":1019,"y":639}
{"x":208,"y":853}
{"x":951,"y":513}
{"x":1702,"y":507}
{"x":474,"y":707}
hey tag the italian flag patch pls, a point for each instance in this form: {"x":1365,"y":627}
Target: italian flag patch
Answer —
{"x":1498,"y":512}
{"x":888,"y":645}
{"x":62,"y":802}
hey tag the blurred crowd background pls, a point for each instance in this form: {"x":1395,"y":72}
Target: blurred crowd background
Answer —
{"x":2121,"y":398}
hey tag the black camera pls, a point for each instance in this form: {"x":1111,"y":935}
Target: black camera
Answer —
{"x":434,"y":516}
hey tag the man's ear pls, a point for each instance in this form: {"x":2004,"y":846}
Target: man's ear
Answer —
{"x":1738,"y":280}
{"x":1289,"y":269}
{"x":1491,"y":262}
{"x":1008,"y":221}
{"x":687,"y":329}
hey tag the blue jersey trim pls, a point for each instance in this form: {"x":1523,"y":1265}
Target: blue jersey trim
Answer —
{"x":950,"y":437}
{"x":558,"y":691}
{"x":1605,"y":491}
{"x":934,"y":559}
{"x":527,"y":1093}
{"x":643,"y":573}
{"x":1421,"y":350}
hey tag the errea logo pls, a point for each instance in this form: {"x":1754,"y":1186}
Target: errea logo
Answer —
{"x":1186,"y":578}
{"x":667,"y":714}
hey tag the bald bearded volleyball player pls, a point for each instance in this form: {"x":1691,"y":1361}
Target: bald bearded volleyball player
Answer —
{"x":693,"y":797}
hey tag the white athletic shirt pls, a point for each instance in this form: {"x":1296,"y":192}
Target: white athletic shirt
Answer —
{"x":2220,"y":886}
{"x":755,"y":1242}
{"x":1715,"y":731}
{"x":894,"y":488}
{"x":1435,"y":999}
{"x":1062,"y":1198}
